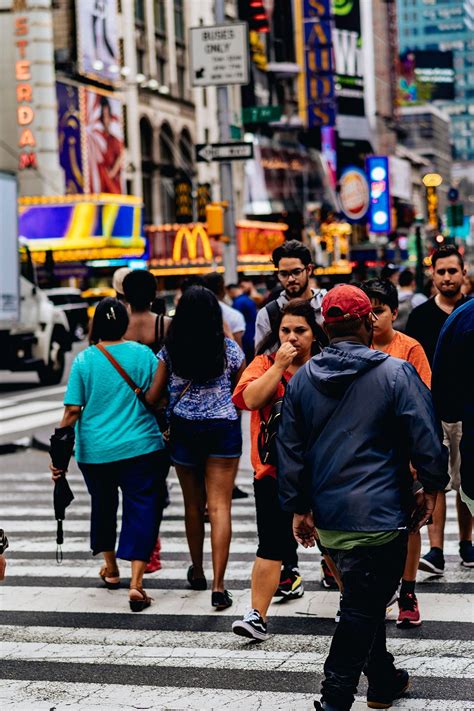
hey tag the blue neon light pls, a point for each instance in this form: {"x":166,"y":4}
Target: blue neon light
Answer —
{"x":379,"y":191}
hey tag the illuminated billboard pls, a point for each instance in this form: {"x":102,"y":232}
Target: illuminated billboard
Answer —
{"x":315,"y":54}
{"x":70,"y":137}
{"x":379,"y":191}
{"x":348,"y":57}
{"x":426,"y":75}
{"x":97,"y":39}
{"x":77,"y":227}
{"x":104,"y":141}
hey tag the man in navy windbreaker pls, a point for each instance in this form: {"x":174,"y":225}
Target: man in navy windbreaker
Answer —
{"x":453,"y":392}
{"x":353,"y":419}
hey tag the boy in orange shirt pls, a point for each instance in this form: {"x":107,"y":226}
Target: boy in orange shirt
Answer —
{"x":384,"y":298}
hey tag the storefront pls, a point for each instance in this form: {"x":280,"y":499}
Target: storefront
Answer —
{"x":177,"y":250}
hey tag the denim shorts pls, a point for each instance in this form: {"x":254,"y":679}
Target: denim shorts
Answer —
{"x":194,"y":441}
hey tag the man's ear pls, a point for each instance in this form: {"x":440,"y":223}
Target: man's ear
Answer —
{"x":394,"y":314}
{"x":310,"y":269}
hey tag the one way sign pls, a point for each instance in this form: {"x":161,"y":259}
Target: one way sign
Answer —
{"x":207,"y":152}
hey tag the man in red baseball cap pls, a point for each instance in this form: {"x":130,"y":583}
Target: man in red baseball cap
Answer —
{"x":343,"y":472}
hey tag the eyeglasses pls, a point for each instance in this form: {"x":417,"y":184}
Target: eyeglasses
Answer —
{"x":450,"y":270}
{"x":283,"y":274}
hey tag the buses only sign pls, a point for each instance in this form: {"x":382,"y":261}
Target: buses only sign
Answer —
{"x":219,"y":55}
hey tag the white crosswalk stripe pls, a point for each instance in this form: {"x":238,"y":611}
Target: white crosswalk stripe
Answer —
{"x":67,"y":642}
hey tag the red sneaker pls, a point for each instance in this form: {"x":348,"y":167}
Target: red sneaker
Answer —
{"x":409,"y":614}
{"x":154,"y":563}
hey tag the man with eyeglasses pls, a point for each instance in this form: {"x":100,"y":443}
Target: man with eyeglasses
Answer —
{"x":293,"y":263}
{"x":425,"y":324}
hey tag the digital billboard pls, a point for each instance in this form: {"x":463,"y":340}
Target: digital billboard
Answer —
{"x":104,"y":141}
{"x":425,"y":76}
{"x":348,"y":57}
{"x":379,"y":187}
{"x":97,"y":43}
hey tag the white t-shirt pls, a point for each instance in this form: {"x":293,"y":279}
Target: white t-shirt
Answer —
{"x":233,"y":318}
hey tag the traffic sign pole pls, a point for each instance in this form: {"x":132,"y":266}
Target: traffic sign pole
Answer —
{"x":225,"y":170}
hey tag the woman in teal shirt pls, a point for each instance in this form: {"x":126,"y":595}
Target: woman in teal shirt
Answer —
{"x":118,"y":445}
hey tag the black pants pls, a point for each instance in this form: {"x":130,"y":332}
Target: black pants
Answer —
{"x":370,"y":575}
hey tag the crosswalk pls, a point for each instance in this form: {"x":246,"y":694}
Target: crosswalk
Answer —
{"x":68,"y":643}
{"x":24,"y":412}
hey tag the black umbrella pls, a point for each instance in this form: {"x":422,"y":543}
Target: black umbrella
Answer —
{"x":62,"y":446}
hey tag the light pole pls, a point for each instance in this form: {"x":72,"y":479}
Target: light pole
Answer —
{"x":225,"y":169}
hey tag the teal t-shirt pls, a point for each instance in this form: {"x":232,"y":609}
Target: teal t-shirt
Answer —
{"x":113,"y":424}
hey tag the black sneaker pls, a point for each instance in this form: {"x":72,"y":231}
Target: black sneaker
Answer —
{"x":252,"y":626}
{"x":324,"y":706}
{"x":432,"y":562}
{"x":291,"y":584}
{"x":238,"y":493}
{"x":383,"y":698}
{"x":328,"y":580}
{"x":466,"y":551}
{"x":221,"y":600}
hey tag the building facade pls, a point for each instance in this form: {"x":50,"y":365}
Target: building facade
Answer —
{"x":446,"y":25}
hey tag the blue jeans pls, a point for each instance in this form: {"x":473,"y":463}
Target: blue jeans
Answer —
{"x":143,"y":483}
{"x":370,"y":576}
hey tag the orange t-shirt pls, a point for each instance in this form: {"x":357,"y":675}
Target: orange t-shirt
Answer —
{"x":255,"y":370}
{"x":405,"y":347}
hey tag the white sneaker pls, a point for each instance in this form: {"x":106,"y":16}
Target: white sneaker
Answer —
{"x":252,"y":626}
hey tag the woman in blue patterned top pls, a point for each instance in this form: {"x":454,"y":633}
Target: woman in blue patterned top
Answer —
{"x":201,"y":367}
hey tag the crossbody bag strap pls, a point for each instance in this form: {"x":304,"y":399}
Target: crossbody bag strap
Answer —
{"x":138,"y":391}
{"x":283,"y":381}
{"x":181,"y":395}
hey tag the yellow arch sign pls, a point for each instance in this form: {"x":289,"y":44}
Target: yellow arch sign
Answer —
{"x":191,"y":237}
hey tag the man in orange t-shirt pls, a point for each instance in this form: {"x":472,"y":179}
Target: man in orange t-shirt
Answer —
{"x":384,"y":298}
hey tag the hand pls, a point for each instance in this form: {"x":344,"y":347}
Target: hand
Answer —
{"x":304,"y":529}
{"x":3,"y":565}
{"x":423,"y":511}
{"x":56,"y":473}
{"x":285,"y":355}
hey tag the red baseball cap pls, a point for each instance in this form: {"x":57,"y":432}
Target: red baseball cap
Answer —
{"x":345,"y":303}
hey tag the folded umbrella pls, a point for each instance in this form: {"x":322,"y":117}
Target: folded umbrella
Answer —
{"x":62,"y":446}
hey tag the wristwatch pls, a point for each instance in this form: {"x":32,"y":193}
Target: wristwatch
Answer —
{"x":3,"y":541}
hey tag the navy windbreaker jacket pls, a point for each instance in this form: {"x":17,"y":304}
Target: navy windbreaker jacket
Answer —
{"x":453,"y":384}
{"x":352,"y":420}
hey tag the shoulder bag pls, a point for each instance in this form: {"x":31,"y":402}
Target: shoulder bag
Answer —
{"x":139,"y":392}
{"x":269,"y":428}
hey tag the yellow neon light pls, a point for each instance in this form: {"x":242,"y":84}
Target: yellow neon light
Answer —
{"x":179,"y":271}
{"x":300,"y":60}
{"x":82,"y":222}
{"x":108,"y":198}
{"x":191,"y":242}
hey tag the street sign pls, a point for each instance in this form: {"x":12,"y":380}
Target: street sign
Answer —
{"x":261,"y":114}
{"x":207,"y":152}
{"x":219,"y":54}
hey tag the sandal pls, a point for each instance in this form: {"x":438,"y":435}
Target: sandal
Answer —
{"x":105,"y":574}
{"x":138,"y":604}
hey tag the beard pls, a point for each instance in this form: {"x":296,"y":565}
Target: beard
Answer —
{"x":296,"y":290}
{"x":453,"y":290}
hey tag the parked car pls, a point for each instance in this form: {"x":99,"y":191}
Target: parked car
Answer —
{"x":75,"y":308}
{"x":94,"y":295}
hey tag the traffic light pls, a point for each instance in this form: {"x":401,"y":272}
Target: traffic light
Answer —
{"x":253,"y":11}
{"x":455,"y":215}
{"x":215,"y":220}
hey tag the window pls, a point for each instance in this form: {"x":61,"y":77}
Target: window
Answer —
{"x":161,"y":70}
{"x":140,"y":10}
{"x":160,"y":17}
{"x":181,"y":87}
{"x":141,"y":61}
{"x":179,"y":20}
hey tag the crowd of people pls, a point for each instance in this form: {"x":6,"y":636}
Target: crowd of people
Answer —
{"x":351,"y":450}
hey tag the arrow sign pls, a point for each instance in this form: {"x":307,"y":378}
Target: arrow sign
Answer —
{"x":207,"y":152}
